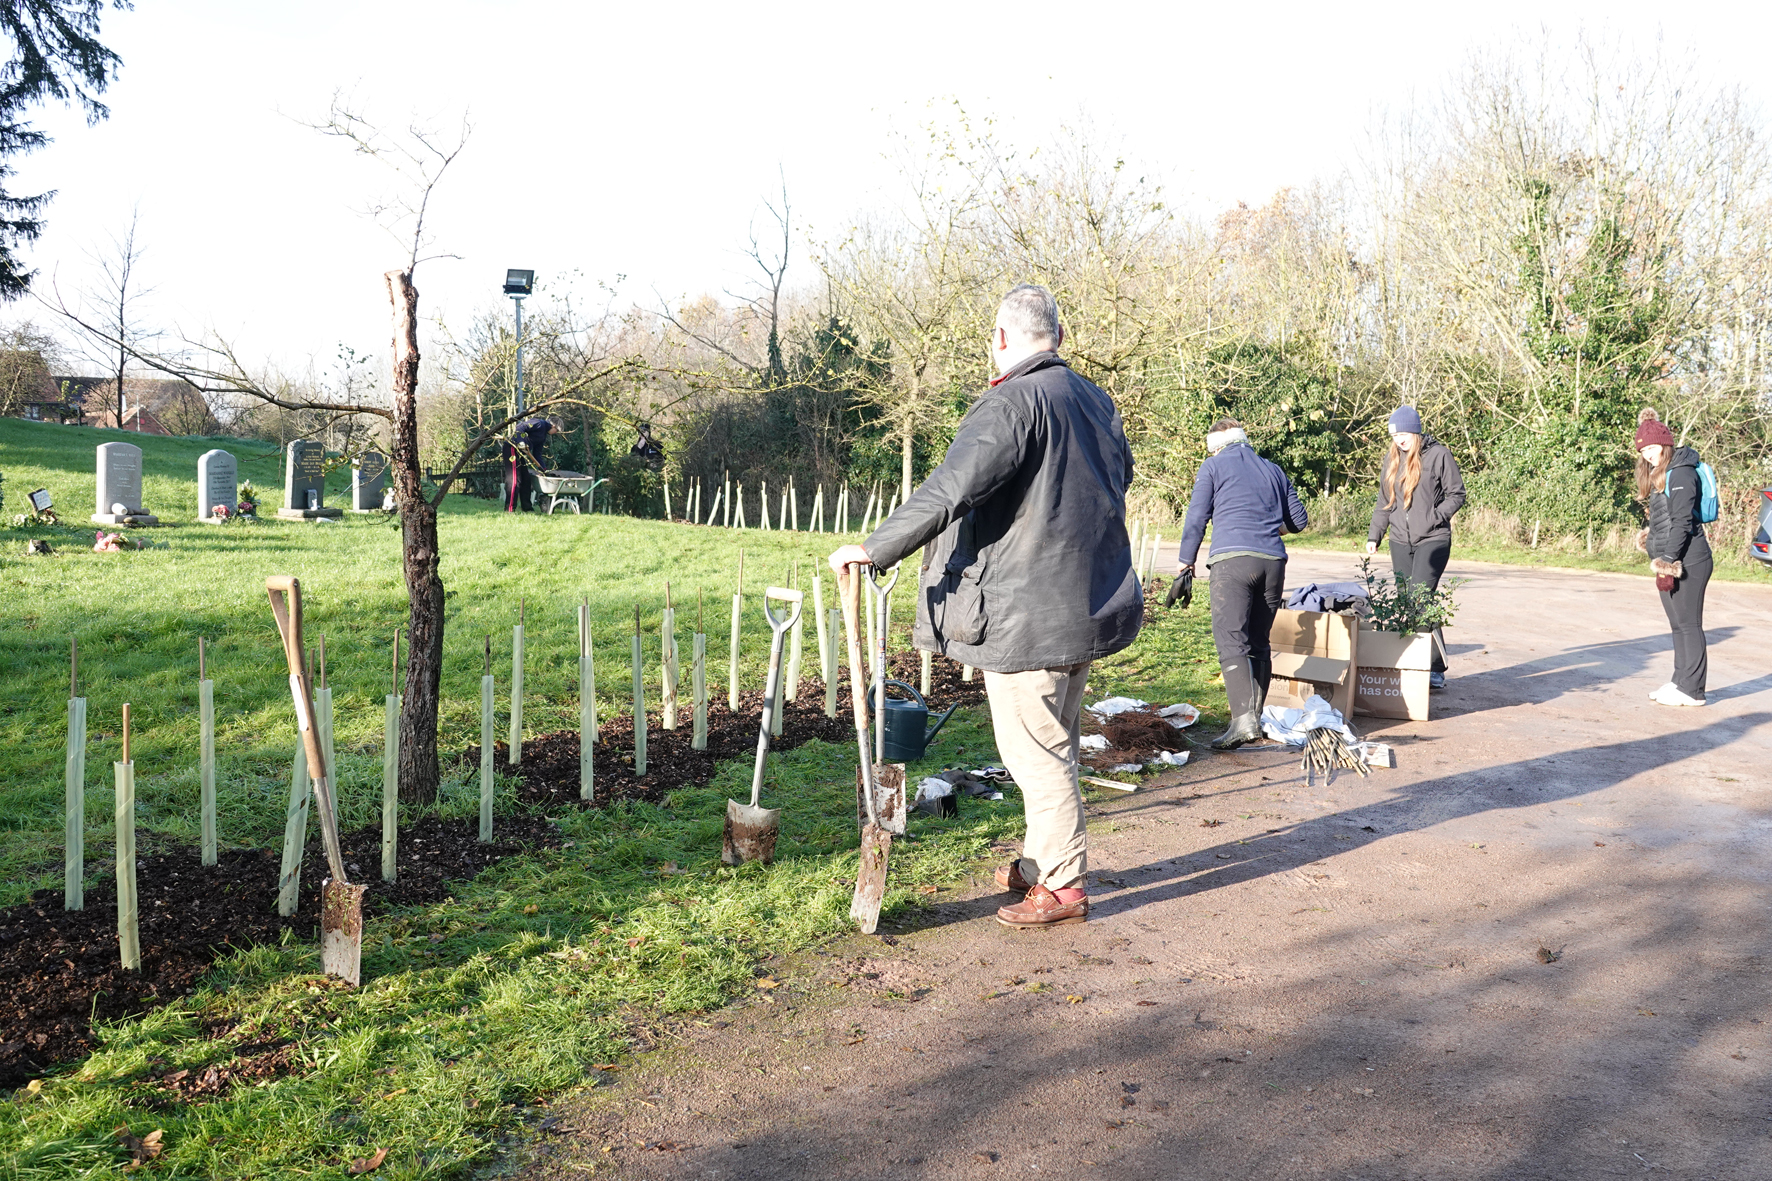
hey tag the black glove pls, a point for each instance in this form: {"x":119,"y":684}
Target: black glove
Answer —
{"x":1182,"y":588}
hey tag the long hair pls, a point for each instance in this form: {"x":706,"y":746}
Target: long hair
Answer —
{"x":1409,"y":462}
{"x":1651,"y":479}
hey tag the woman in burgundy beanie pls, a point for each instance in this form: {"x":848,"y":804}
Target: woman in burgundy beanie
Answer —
{"x":1679,"y":553}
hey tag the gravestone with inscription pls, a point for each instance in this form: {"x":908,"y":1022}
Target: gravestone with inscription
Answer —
{"x":304,"y":483}
{"x":119,"y":499}
{"x":218,"y":483}
{"x":369,"y":476}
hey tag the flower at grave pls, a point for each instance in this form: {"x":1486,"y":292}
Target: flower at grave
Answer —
{"x":112,"y":543}
{"x":220,"y":511}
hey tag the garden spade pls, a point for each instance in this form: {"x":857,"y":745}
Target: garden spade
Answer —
{"x":751,"y":831}
{"x":341,"y":904}
{"x":876,"y":842}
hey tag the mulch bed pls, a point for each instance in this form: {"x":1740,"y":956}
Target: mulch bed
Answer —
{"x":59,"y":968}
{"x":549,"y":769}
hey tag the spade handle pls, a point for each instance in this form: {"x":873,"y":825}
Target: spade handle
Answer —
{"x":285,"y":594}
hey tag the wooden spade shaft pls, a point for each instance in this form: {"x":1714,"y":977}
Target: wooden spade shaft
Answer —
{"x":285,"y":593}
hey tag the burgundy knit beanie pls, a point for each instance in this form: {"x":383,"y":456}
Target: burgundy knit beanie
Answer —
{"x":1650,"y":429}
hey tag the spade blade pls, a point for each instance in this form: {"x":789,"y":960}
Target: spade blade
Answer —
{"x":341,"y":931}
{"x":870,"y":877}
{"x":750,"y":833}
{"x":889,"y":797}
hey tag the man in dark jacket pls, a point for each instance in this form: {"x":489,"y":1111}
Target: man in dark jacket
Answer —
{"x":1250,"y":503}
{"x":525,"y":454}
{"x":1028,"y":576}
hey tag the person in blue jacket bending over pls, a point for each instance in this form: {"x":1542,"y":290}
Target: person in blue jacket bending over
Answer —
{"x":1249,"y":503}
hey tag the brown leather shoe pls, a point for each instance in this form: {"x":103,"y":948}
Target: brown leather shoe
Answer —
{"x":1009,"y":877}
{"x":1041,"y":908}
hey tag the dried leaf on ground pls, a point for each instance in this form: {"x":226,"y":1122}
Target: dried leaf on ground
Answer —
{"x":365,"y":1164}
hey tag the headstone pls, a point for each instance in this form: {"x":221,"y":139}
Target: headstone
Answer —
{"x":218,"y":482}
{"x":304,"y":483}
{"x":120,"y":486}
{"x":369,"y":475}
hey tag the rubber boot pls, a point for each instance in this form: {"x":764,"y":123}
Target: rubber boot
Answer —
{"x":1239,"y":690}
{"x":1263,"y":672}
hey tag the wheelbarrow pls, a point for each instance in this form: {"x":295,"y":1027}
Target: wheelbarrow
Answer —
{"x":567,"y":488}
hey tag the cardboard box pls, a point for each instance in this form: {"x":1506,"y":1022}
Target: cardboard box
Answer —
{"x":1393,"y":674}
{"x":1314,"y":655}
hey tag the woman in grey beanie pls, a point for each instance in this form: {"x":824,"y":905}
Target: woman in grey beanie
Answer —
{"x":1419,"y":488}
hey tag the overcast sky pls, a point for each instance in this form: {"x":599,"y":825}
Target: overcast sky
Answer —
{"x":639,"y":140}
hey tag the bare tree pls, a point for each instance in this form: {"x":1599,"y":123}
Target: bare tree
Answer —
{"x":419,"y":158}
{"x":112,"y":304}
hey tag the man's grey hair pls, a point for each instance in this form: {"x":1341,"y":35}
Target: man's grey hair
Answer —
{"x":1030,"y":312}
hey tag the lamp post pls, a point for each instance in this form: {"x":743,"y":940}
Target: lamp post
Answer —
{"x":517,"y":285}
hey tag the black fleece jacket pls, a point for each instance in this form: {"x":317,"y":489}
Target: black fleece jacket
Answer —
{"x":1675,"y":534}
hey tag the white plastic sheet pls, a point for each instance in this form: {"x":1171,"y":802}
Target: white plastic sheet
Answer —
{"x":1181,"y":715}
{"x":1116,"y":705}
{"x":1293,"y":725}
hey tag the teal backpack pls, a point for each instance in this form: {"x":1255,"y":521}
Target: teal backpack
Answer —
{"x":1707,"y":493}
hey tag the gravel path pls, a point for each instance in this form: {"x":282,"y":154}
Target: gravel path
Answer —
{"x":1338,"y":982}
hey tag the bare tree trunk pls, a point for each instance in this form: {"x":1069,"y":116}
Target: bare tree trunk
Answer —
{"x":909,"y":437}
{"x":418,"y":529}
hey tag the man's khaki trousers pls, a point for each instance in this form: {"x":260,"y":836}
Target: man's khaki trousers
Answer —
{"x":1035,"y":715}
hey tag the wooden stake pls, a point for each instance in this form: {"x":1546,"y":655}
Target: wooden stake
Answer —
{"x":74,"y":840}
{"x":668,"y":661}
{"x":206,"y":755}
{"x":73,"y":667}
{"x":639,"y":704}
{"x":516,"y":755}
{"x":587,"y":707}
{"x":129,"y":943}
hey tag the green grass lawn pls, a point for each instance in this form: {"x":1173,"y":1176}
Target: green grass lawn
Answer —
{"x":545,"y":966}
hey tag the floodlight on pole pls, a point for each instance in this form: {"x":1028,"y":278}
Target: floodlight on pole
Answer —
{"x":519,"y":283}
